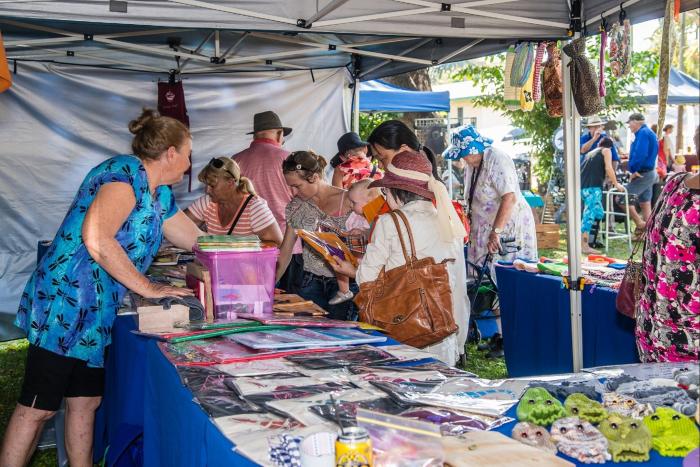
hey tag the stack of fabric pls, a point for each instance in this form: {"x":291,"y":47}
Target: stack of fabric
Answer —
{"x":213,"y":243}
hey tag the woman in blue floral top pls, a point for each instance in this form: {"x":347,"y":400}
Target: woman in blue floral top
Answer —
{"x":106,"y":242}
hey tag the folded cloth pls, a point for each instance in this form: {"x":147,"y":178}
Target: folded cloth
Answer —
{"x":659,"y":395}
{"x":193,"y":303}
{"x":566,"y":388}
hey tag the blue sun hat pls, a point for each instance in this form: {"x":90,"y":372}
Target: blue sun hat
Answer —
{"x":466,"y":141}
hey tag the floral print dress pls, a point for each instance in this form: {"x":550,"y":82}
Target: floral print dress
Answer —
{"x":69,"y":303}
{"x":498,"y":177}
{"x":668,"y":312}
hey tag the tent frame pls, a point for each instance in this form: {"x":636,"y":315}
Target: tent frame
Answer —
{"x":232,"y":59}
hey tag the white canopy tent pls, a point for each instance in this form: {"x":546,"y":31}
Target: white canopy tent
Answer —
{"x":372,"y":38}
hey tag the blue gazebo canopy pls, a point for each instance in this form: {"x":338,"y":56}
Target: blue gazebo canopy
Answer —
{"x":682,"y":89}
{"x":380,"y":96}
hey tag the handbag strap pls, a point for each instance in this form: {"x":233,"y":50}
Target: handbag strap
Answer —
{"x":240,"y":213}
{"x":398,"y":230}
{"x":410,"y":233}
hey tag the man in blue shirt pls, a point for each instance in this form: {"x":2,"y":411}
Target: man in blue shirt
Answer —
{"x":642,"y":167}
{"x":590,"y":141}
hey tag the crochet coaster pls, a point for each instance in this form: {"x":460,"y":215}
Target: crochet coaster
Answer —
{"x":629,"y":440}
{"x":658,"y":393}
{"x":578,"y":405}
{"x":673,"y":434}
{"x":625,"y":405}
{"x":539,"y":407}
{"x":535,"y":436}
{"x":581,"y":440}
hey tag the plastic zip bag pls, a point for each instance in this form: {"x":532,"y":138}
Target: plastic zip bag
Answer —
{"x":402,"y":442}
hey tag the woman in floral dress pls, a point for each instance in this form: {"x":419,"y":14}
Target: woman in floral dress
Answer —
{"x":668,"y":312}
{"x":495,"y":204}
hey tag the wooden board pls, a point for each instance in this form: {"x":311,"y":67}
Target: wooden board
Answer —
{"x":154,"y":318}
{"x":547,"y":235}
{"x":196,"y":270}
{"x":494,"y":449}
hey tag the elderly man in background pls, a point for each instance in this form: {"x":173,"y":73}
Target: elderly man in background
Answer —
{"x":261,"y":162}
{"x":642,"y":169}
{"x":596,"y":132}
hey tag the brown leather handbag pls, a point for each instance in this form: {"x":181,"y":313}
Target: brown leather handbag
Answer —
{"x":413,"y":302}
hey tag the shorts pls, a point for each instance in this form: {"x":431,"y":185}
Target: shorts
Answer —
{"x":643,"y":186}
{"x":49,"y":377}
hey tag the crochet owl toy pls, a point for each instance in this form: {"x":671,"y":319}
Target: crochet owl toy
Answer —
{"x":673,"y":434}
{"x":629,"y":440}
{"x":581,"y":440}
{"x":578,"y":405}
{"x":535,"y":436}
{"x":539,"y":407}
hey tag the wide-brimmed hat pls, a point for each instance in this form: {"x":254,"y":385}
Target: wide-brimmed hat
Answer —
{"x":407,"y":160}
{"x":268,"y":120}
{"x":466,"y":141}
{"x":412,"y":171}
{"x":594,"y":121}
{"x":350,"y":141}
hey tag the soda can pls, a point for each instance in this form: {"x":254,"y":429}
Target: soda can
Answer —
{"x":353,"y":448}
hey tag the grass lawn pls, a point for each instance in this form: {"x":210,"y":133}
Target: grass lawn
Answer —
{"x":617,"y":248}
{"x":12,"y":357}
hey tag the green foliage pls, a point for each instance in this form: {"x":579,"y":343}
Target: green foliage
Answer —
{"x":370,"y":121}
{"x":690,"y":52}
{"x":538,"y":125}
{"x":13,"y":355}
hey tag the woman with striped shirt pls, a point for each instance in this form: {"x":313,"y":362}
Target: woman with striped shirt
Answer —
{"x":230,"y":206}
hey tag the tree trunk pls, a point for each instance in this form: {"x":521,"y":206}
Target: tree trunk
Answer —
{"x":665,"y":65}
{"x":418,"y":80}
{"x":681,"y":67}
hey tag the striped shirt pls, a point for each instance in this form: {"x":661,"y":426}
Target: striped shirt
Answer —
{"x":256,"y":217}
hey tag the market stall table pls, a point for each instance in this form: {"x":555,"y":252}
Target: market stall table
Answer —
{"x":537,"y":326}
{"x":144,"y":391}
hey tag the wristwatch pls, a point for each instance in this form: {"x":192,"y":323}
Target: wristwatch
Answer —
{"x":497,"y":230}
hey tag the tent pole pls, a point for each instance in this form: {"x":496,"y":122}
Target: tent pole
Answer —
{"x":572,"y":130}
{"x":356,"y":106}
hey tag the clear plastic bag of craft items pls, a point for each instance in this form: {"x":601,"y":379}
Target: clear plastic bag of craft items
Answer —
{"x":402,"y":442}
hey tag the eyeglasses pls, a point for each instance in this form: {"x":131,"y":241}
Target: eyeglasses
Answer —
{"x":218,"y":164}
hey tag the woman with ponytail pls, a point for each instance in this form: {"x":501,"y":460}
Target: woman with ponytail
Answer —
{"x":230,"y":205}
{"x":315,"y":202}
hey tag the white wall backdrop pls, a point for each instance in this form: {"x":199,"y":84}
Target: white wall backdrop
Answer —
{"x":58,"y":121}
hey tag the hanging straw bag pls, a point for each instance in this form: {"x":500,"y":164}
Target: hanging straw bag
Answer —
{"x":413,"y":302}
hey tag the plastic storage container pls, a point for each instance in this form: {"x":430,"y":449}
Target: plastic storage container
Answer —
{"x":241,"y":282}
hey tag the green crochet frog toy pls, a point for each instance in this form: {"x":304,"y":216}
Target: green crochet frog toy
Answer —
{"x":539,"y":407}
{"x":578,"y":405}
{"x":629,"y":440}
{"x":673,"y":434}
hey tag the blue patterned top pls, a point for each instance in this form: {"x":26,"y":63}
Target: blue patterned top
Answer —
{"x":70,"y":301}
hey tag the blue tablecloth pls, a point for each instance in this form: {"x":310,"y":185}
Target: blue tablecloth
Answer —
{"x":145,"y":390}
{"x":536,"y":323}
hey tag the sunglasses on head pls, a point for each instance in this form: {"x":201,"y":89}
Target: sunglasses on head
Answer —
{"x":290,"y":164}
{"x":219,"y":164}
